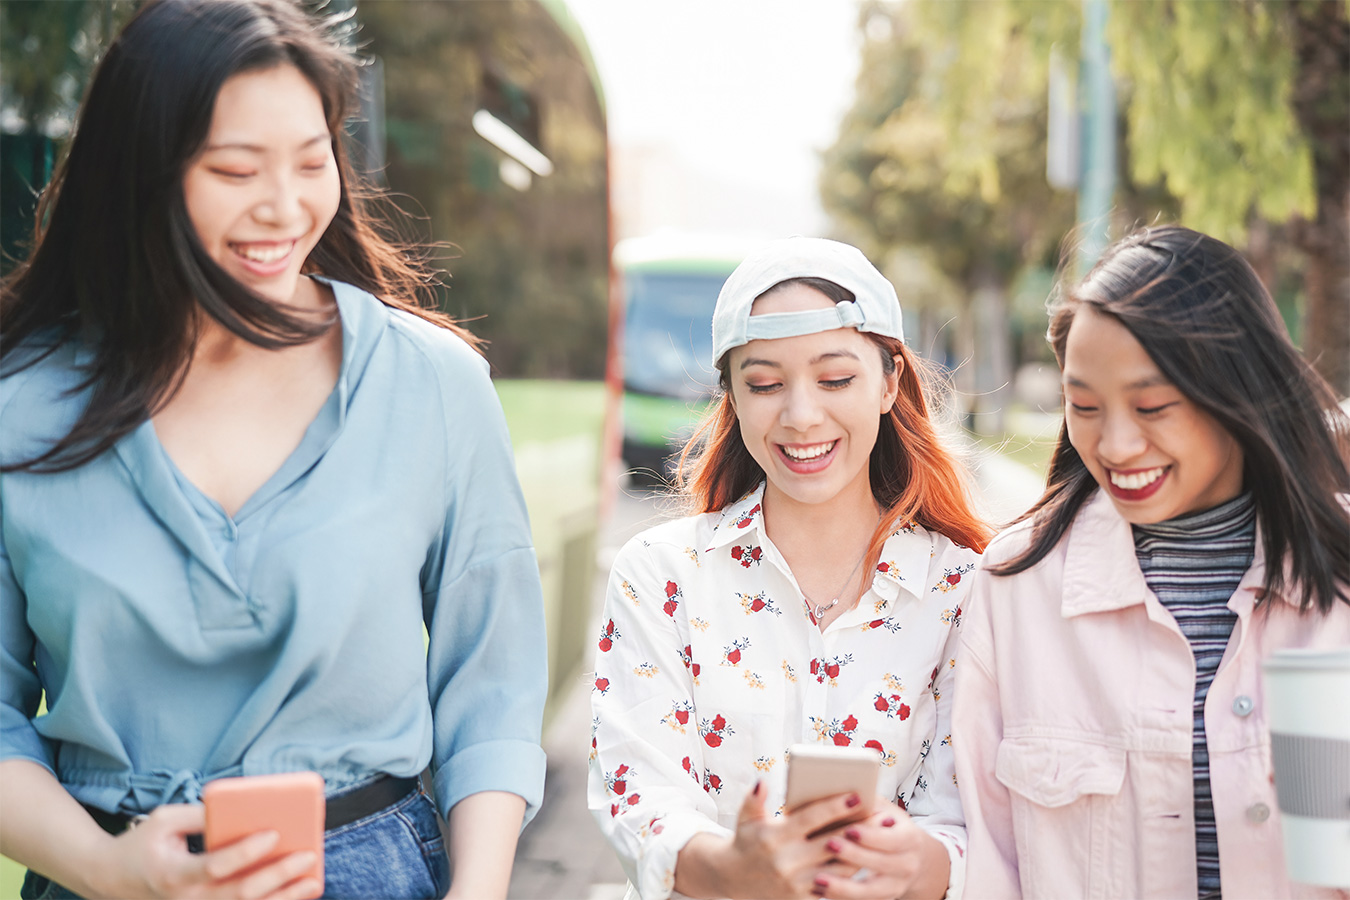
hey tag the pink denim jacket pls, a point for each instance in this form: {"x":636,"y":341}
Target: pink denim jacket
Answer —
{"x":1072,"y":727}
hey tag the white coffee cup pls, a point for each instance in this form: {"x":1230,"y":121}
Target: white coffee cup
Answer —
{"x":1308,"y":712}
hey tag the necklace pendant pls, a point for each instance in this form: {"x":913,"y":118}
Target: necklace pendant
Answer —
{"x":820,"y":611}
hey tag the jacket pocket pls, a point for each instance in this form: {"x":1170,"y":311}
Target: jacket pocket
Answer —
{"x":1064,"y":793}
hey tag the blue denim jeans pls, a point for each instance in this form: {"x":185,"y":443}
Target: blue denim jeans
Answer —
{"x":396,"y":852}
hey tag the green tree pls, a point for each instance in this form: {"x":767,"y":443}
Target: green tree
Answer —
{"x":898,"y":177}
{"x":1240,"y":110}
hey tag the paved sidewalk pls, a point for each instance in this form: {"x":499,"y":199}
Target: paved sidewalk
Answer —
{"x":562,"y":854}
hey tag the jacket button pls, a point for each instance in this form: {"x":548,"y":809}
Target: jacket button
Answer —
{"x":1243,"y":705}
{"x":1258,"y":813}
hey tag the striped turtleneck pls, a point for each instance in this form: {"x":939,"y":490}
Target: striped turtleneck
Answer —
{"x":1193,"y":563}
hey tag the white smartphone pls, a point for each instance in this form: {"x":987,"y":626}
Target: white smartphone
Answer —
{"x":816,"y":771}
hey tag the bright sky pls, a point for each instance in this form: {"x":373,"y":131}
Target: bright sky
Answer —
{"x":747,"y":92}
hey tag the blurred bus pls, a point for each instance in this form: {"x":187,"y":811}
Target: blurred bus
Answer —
{"x":670,"y":284}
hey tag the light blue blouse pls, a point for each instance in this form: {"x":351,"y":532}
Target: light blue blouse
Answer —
{"x":177,"y":644}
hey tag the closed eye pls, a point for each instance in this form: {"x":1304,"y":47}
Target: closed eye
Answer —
{"x":1154,"y":410}
{"x":837,"y":383}
{"x":1082,"y":409}
{"x":763,"y":388}
{"x":226,"y":173}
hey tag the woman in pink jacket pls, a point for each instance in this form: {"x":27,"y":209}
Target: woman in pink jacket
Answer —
{"x":1109,"y":719}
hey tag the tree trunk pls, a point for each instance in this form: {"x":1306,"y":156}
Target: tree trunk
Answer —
{"x":1321,"y":97}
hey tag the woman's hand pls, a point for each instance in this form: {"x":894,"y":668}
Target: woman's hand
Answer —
{"x":768,"y":856}
{"x":152,"y":860}
{"x":895,"y":857}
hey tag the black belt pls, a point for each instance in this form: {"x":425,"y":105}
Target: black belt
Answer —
{"x":341,"y":810}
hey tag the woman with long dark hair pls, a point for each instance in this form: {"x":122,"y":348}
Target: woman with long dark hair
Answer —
{"x":813,"y":597}
{"x":1110,"y":718}
{"x":246,"y":468}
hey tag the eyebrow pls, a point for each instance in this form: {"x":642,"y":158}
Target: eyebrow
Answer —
{"x":832,"y":354}
{"x":1158,"y":380}
{"x":258,"y":148}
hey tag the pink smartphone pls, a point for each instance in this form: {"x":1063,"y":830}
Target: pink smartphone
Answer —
{"x":291,"y":803}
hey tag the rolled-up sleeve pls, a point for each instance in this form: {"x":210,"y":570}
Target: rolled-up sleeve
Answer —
{"x":20,"y":689}
{"x":487,"y":667}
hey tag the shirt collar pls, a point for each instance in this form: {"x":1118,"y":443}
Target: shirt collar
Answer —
{"x":738,"y":519}
{"x":903,"y":563}
{"x":1101,"y":571}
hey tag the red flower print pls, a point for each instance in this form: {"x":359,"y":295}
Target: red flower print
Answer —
{"x":876,"y":623}
{"x":613,"y":809}
{"x":670,"y":606}
{"x":832,"y":670}
{"x":737,"y":551}
{"x":607,"y":636}
{"x":682,"y":716}
{"x":841,"y":739}
{"x":620,"y":786}
{"x":840,"y":733}
{"x":850,"y":723}
{"x":621,"y":770}
{"x":954,"y":578}
{"x":731,"y":654}
{"x":672,"y":589}
{"x":875,"y":745}
{"x":883,"y":567}
{"x":633,"y":800}
{"x":602,"y":685}
{"x":713,"y":732}
{"x":745,"y":520}
{"x":712,"y":783}
{"x":892,"y":706}
{"x":815,"y":666}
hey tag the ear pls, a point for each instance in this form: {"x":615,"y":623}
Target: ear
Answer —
{"x":892,"y":389}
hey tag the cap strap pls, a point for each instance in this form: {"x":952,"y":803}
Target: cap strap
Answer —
{"x":845,"y":314}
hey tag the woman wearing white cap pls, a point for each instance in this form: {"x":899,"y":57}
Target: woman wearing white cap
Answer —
{"x":815,"y":597}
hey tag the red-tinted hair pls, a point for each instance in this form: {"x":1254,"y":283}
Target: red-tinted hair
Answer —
{"x":914,"y":477}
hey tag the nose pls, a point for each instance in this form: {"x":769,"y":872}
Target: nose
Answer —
{"x":1122,"y":440}
{"x":281,"y":205}
{"x":802,"y":410}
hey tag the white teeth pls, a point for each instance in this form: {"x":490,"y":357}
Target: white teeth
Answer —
{"x":263,"y":254}
{"x":805,"y":454}
{"x":1136,"y":480}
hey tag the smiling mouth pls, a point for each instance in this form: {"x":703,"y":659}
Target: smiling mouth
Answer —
{"x":808,"y":453}
{"x":264,"y":253}
{"x":1136,"y":481}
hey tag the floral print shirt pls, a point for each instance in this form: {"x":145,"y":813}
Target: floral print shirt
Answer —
{"x":709,"y":665}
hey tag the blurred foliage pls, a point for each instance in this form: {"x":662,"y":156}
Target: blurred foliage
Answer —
{"x":529,"y":268}
{"x":1235,"y":121}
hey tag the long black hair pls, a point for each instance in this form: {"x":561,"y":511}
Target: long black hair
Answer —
{"x":1205,"y":319}
{"x":116,"y":262}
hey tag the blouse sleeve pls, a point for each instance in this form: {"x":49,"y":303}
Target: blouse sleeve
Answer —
{"x":20,"y":689}
{"x":487,"y":673}
{"x":935,"y":804}
{"x":645,"y":787}
{"x":977,"y":717}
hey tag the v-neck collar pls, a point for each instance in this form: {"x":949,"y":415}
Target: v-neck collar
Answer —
{"x":162,"y":486}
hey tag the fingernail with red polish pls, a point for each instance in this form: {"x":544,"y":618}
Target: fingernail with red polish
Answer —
{"x":818,"y":891}
{"x":755,"y":789}
{"x":887,"y":822}
{"x":853,"y":835}
{"x":852,"y":801}
{"x":821,"y":881}
{"x":833,"y":847}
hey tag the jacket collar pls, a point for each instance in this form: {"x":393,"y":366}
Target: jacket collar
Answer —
{"x":1102,"y":574}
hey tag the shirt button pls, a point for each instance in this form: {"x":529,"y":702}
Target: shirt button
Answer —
{"x":1243,"y":705}
{"x":1258,"y":813}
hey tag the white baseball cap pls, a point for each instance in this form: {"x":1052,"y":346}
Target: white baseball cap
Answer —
{"x":876,"y":309}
